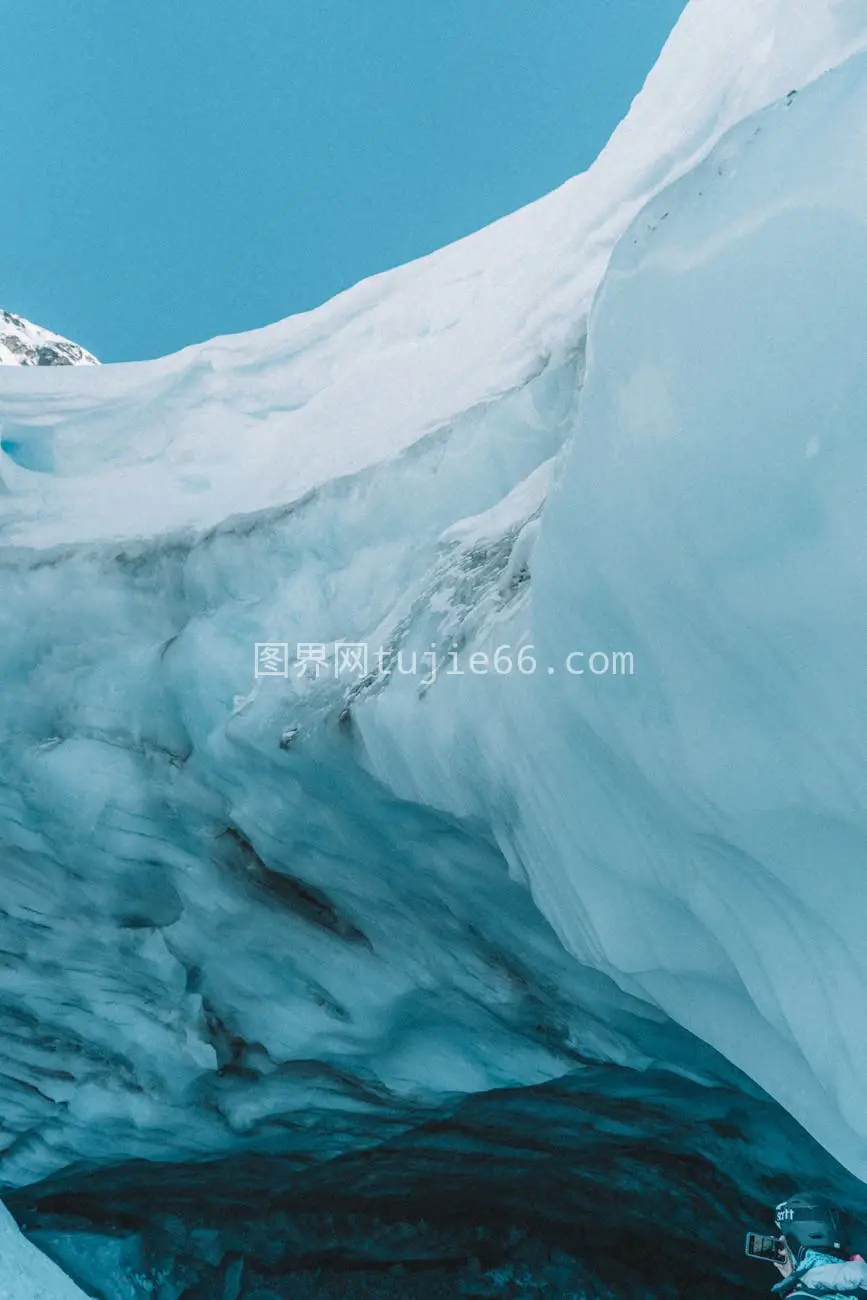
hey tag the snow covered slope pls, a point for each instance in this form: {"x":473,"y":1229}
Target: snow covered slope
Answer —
{"x":292,"y":911}
{"x":25,"y":344}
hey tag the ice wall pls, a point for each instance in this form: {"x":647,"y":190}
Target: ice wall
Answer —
{"x":27,"y":1274}
{"x":698,"y":829}
{"x":293,"y":915}
{"x":711,"y":517}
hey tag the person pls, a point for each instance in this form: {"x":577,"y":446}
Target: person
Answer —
{"x":817,"y":1261}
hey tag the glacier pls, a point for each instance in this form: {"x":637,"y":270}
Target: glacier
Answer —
{"x":393,"y":945}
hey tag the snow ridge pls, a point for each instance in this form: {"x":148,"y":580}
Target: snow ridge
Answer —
{"x":401,"y":355}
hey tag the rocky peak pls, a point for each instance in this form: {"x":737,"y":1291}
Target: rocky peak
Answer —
{"x":25,"y":344}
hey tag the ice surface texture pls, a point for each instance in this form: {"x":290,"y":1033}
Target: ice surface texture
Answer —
{"x":25,"y":1273}
{"x":291,"y":915}
{"x":698,"y":830}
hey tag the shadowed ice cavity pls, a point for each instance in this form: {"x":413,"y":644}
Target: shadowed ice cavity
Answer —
{"x":29,"y":448}
{"x":613,"y":1183}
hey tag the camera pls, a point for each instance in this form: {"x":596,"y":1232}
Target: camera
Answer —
{"x":761,"y":1246}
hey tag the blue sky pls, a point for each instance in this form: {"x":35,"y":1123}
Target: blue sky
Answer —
{"x":177,"y":169}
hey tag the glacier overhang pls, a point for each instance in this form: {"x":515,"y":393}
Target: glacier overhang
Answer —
{"x":290,"y":917}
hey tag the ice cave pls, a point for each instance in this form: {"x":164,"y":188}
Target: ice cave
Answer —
{"x":433,"y":812}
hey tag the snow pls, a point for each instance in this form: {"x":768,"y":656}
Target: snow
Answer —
{"x":24,"y":344}
{"x":229,"y":940}
{"x":27,"y":1274}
